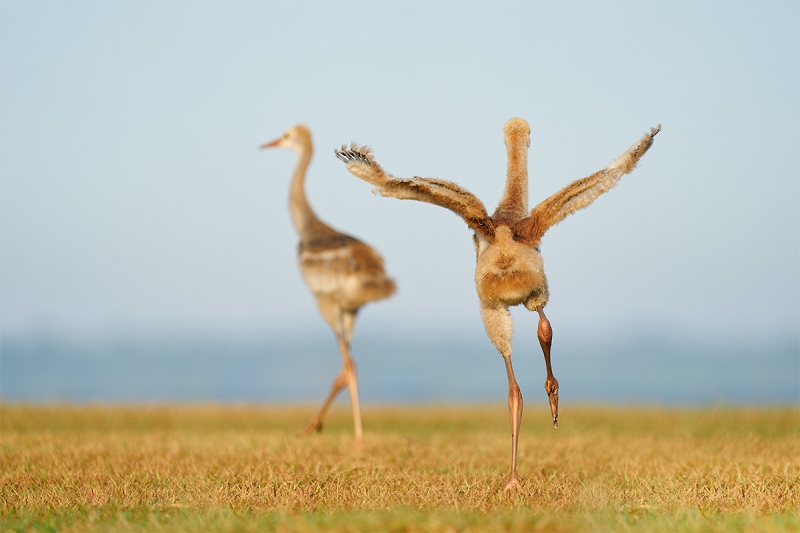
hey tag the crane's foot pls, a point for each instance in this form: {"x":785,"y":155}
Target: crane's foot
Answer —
{"x":314,"y":427}
{"x":514,"y":482}
{"x":551,"y":387}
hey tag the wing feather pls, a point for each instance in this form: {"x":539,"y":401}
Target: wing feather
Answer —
{"x":580,"y":193}
{"x":361,"y":163}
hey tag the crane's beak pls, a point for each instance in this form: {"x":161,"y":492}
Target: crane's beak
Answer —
{"x":272,"y":144}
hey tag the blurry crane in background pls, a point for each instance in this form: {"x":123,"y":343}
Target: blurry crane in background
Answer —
{"x":342,"y":272}
{"x":509,"y":268}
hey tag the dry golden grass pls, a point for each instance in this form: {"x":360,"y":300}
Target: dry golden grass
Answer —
{"x":241,"y":468}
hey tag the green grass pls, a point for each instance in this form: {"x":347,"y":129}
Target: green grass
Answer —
{"x":241,"y":468}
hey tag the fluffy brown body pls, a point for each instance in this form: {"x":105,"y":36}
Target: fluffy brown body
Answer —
{"x":509,"y":268}
{"x":342,"y":272}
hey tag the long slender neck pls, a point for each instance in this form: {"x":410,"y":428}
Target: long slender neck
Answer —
{"x":513,"y":205}
{"x":303,"y":216}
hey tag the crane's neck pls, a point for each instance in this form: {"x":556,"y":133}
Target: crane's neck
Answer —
{"x":513,"y":205}
{"x":303,"y":216}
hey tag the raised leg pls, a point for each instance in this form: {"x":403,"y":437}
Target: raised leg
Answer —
{"x":338,"y":384}
{"x":499,"y":328}
{"x":545,"y":334}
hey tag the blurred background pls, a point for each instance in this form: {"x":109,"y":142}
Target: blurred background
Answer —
{"x":146,"y":250}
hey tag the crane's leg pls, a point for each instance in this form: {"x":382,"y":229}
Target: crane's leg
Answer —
{"x":349,"y":366}
{"x":499,"y":328}
{"x":545,"y":334}
{"x":338,"y":384}
{"x":345,"y":378}
{"x":515,"y":416}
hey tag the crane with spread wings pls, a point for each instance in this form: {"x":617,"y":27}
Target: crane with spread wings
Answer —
{"x":509,"y":269}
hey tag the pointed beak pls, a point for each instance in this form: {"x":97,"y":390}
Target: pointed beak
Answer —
{"x":271,"y":144}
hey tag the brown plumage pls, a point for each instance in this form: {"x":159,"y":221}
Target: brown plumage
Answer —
{"x":342,"y":272}
{"x":509,"y":269}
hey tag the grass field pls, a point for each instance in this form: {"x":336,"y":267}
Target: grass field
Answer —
{"x":241,"y":468}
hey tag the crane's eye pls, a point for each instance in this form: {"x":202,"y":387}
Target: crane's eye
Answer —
{"x":286,"y":135}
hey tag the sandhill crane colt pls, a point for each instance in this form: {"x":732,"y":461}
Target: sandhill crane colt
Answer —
{"x":509,"y":268}
{"x":342,"y":272}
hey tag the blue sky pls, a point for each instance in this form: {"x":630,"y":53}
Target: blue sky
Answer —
{"x":134,"y":196}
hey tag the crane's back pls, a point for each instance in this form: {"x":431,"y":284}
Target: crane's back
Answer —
{"x":345,"y":270}
{"x":509,"y":272}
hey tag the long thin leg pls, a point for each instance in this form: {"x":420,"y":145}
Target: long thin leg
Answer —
{"x":545,"y":334}
{"x":346,"y":325}
{"x":339,"y":382}
{"x":349,"y":370}
{"x":515,"y":415}
{"x":499,"y":328}
{"x":345,"y":378}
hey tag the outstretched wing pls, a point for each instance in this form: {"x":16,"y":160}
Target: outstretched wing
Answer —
{"x":460,"y":201}
{"x":580,"y":193}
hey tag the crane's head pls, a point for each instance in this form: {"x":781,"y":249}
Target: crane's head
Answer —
{"x":297,"y":138}
{"x":517,"y":132}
